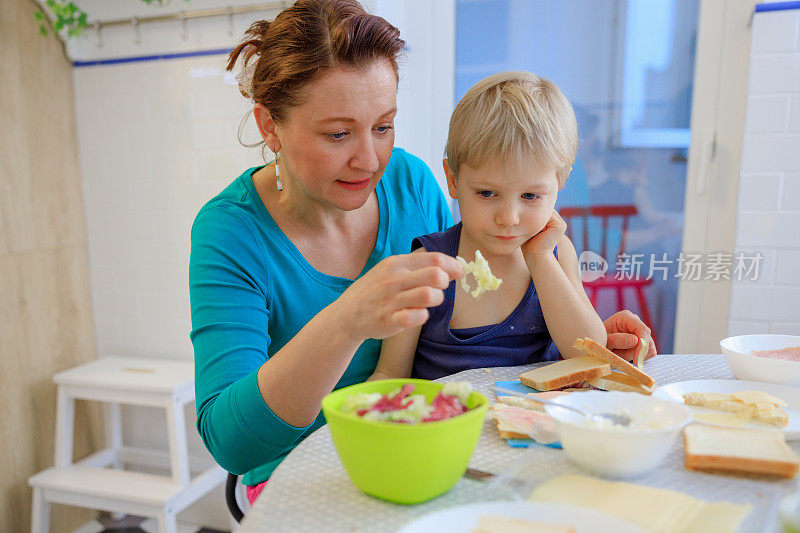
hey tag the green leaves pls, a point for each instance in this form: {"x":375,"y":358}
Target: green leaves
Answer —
{"x":66,"y":15}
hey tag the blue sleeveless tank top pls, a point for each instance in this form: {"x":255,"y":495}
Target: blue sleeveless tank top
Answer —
{"x":522,"y":338}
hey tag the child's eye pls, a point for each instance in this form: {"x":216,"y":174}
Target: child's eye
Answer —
{"x":486,"y":194}
{"x":338,"y":135}
{"x":531,"y":195}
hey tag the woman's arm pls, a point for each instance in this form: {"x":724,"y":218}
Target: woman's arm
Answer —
{"x":391,"y":297}
{"x":566,"y":308}
{"x":251,"y":408}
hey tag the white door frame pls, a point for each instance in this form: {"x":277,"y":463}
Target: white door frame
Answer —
{"x":719,"y":102}
{"x":426,"y":96}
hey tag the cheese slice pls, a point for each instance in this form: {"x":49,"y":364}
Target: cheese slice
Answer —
{"x":654,"y":509}
{"x":752,"y":396}
{"x":759,"y":405}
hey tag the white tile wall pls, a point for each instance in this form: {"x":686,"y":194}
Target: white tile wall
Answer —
{"x":776,"y":31}
{"x":767,"y":114}
{"x":791,"y":192}
{"x":759,"y":191}
{"x":157,"y":140}
{"x":769,"y":194}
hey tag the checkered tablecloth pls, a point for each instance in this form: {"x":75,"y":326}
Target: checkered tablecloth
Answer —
{"x":310,"y":490}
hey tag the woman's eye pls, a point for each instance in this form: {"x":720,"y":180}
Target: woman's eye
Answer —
{"x":531,"y":196}
{"x":486,"y":194}
{"x":338,"y":135}
{"x":384,"y":129}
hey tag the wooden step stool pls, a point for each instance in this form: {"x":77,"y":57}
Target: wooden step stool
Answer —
{"x":90,"y":482}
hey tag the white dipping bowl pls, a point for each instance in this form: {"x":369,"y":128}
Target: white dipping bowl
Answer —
{"x":748,"y":367}
{"x":618,"y":452}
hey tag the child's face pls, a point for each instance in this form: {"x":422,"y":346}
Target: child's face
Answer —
{"x":503,"y":204}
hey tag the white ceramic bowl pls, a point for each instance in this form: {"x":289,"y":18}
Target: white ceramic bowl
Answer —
{"x":748,"y":367}
{"x":615,"y":451}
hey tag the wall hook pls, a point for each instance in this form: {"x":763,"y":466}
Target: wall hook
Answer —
{"x":98,"y":30}
{"x":137,"y":34}
{"x":184,"y":28}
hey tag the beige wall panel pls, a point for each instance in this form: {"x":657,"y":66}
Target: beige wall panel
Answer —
{"x":45,"y":306}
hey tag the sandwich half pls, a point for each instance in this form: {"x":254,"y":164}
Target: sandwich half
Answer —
{"x":619,"y":382}
{"x":591,"y":347}
{"x":563,"y":373}
{"x":751,"y":451}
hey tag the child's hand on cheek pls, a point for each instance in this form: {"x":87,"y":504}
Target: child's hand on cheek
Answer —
{"x":546,"y":240}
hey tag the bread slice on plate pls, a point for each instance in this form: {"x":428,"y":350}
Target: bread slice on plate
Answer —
{"x":767,"y":410}
{"x":566,"y":372}
{"x":738,"y":450}
{"x":591,"y":347}
{"x":619,"y":382}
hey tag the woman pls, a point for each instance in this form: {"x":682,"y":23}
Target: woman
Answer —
{"x":294,"y":272}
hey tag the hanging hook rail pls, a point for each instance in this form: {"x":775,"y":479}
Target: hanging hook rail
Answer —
{"x":183,"y":16}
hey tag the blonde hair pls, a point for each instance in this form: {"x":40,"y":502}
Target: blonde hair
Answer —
{"x":516,"y":115}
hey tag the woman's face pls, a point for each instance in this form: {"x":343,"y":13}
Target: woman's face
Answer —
{"x":336,"y":145}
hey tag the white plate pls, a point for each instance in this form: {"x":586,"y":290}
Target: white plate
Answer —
{"x":463,"y":518}
{"x":790,"y":395}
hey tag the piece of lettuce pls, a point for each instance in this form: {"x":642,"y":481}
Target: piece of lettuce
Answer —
{"x":459,"y":389}
{"x":358,"y":401}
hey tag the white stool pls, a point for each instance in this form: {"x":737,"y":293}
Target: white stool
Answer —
{"x":89,"y":483}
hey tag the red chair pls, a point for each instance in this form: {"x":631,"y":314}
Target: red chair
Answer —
{"x":608,"y":215}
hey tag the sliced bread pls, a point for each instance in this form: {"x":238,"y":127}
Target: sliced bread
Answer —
{"x":566,"y":372}
{"x":752,"y":451}
{"x":766,"y":412}
{"x":591,"y":347}
{"x":641,"y":354}
{"x":530,"y":402}
{"x":619,"y":382}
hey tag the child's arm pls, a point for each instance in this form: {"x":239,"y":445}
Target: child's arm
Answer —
{"x":397,"y":355}
{"x":566,"y":308}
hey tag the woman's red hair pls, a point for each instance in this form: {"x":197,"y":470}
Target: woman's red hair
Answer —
{"x":307,"y":39}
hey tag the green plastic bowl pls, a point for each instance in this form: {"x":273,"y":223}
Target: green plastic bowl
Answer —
{"x":403,"y":463}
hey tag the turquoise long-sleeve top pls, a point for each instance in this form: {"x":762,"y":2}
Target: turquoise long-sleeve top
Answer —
{"x":251,"y":291}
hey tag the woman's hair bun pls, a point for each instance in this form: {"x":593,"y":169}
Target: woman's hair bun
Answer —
{"x":307,"y":39}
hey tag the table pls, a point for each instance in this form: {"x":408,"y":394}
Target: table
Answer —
{"x":310,"y":490}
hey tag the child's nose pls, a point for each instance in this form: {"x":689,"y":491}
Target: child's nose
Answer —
{"x":507,"y":216}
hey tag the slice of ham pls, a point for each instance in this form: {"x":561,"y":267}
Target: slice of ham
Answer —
{"x":784,"y":354}
{"x":538,"y":425}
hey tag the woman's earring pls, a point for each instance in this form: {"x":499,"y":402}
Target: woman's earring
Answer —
{"x":278,"y":172}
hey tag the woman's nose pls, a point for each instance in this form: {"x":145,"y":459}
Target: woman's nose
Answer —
{"x":365,"y":158}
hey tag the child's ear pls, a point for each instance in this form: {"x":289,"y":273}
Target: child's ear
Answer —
{"x":451,"y":179}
